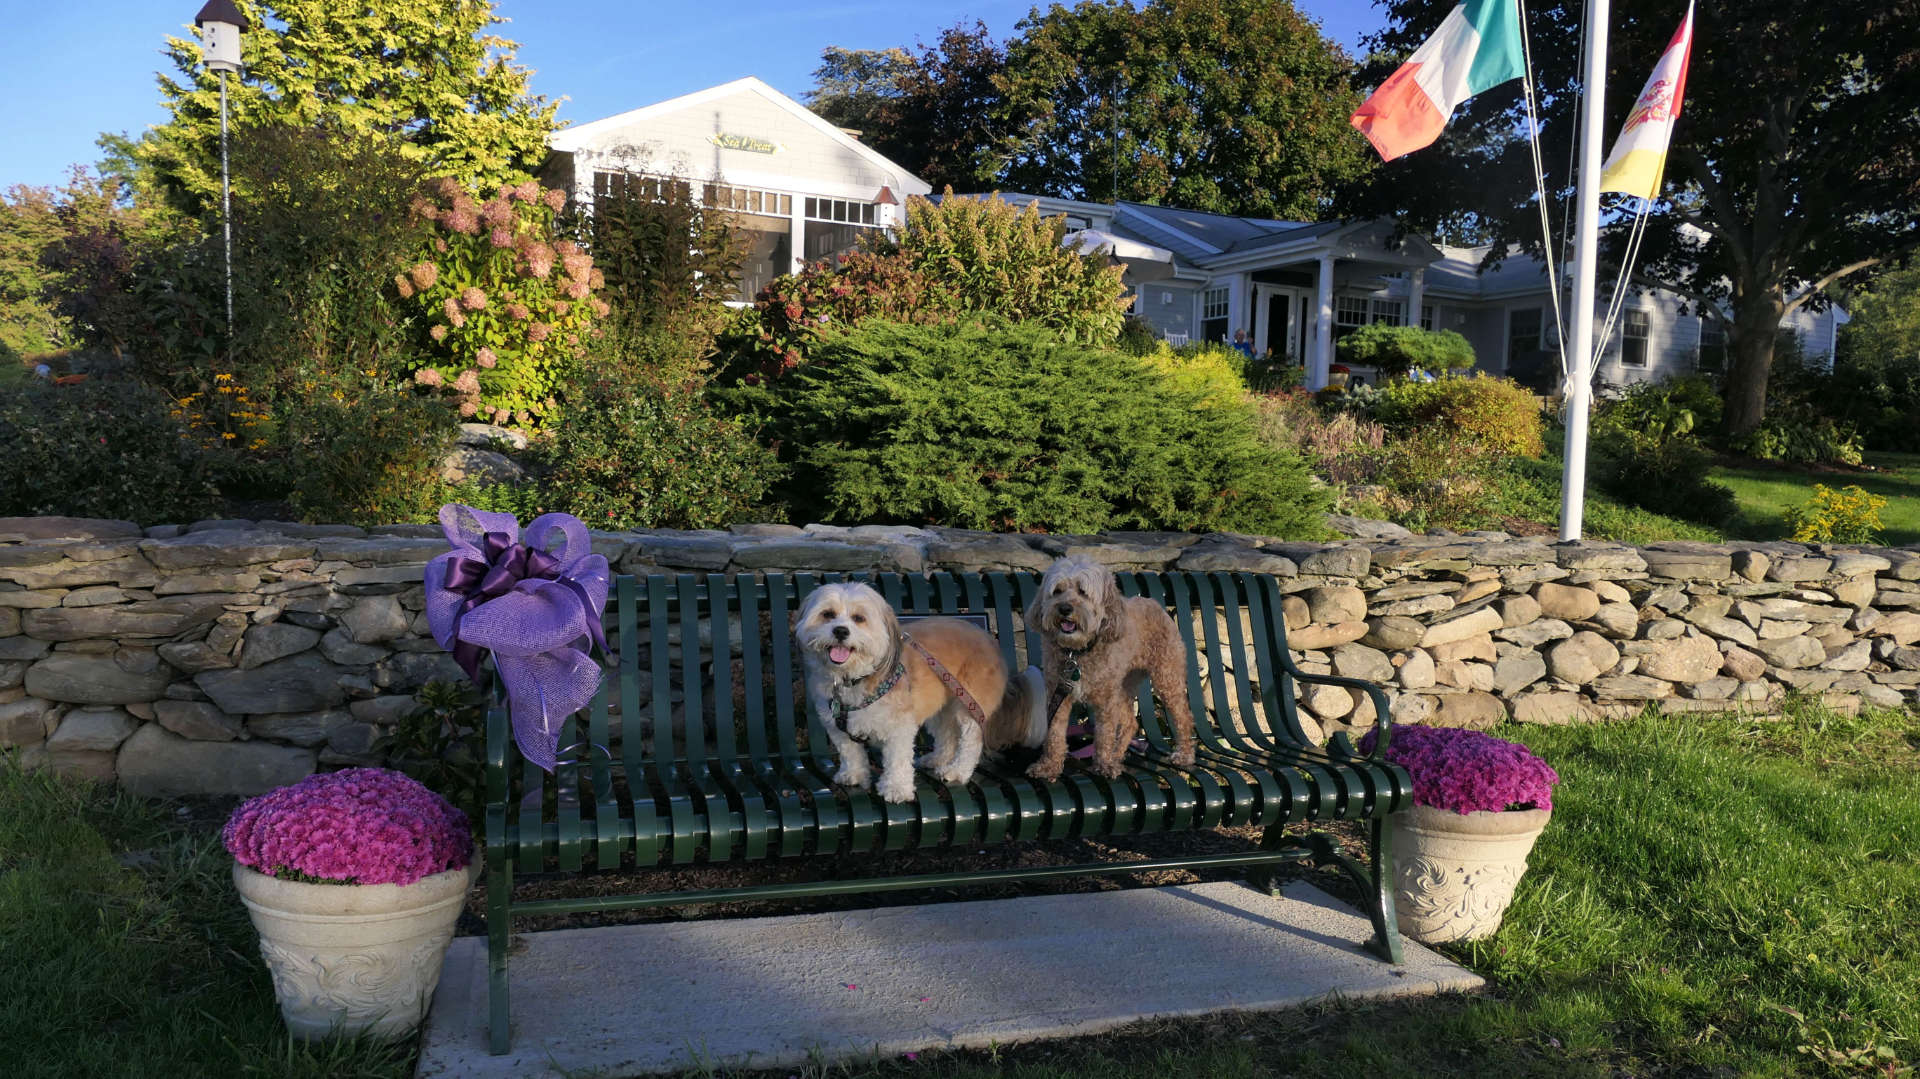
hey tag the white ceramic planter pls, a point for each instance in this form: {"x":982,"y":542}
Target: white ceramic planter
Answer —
{"x":1454,"y":873}
{"x":354,"y":958}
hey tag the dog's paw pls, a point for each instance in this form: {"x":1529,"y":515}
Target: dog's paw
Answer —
{"x":896,"y":789}
{"x":849,"y":776}
{"x":954,"y":776}
{"x":1107,"y":769}
{"x":1043,"y":770}
{"x":932,"y":761}
{"x":1182,"y":757}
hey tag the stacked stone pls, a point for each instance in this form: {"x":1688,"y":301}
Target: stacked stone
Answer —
{"x":232,"y":656}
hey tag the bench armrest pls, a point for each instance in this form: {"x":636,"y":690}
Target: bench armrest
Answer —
{"x":1382,"y":715}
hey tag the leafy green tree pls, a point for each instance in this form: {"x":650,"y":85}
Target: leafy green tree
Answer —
{"x":28,"y":226}
{"x":1231,"y":106}
{"x":1791,"y":169}
{"x":1885,"y":320}
{"x":939,"y":113}
{"x":428,"y":72}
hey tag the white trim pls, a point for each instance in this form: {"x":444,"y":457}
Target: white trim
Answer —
{"x":574,"y":139}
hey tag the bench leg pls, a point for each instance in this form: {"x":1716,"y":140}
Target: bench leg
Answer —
{"x":1374,"y":880}
{"x":499,"y":931}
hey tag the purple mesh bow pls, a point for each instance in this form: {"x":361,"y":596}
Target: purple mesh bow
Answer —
{"x":533,"y":599}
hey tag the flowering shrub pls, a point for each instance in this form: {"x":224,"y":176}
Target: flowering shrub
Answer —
{"x":793,"y":309}
{"x":1466,"y":771}
{"x":355,"y":826}
{"x":507,"y":305}
{"x":1849,"y":515}
{"x":224,"y":414}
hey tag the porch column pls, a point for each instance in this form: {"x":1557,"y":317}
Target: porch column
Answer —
{"x":797,"y":235}
{"x":1322,"y":359}
{"x":1239,"y":306}
{"x":1417,"y":294}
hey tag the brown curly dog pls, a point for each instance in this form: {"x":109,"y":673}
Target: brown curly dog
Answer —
{"x":1096,"y":647}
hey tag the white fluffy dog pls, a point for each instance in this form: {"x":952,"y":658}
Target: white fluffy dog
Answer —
{"x":869,"y":683}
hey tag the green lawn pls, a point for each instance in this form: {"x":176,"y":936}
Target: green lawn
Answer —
{"x":1715,"y":896}
{"x":1766,"y":493}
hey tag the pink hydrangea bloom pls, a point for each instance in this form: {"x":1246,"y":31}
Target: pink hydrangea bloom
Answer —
{"x":404,"y":286}
{"x":518,"y":312}
{"x":473,"y":299}
{"x":451,"y":308}
{"x":462,"y":219}
{"x":538,"y":331}
{"x":1467,"y":771}
{"x":501,"y":236}
{"x":424,"y":275}
{"x":355,"y":826}
{"x":427,"y":376}
{"x":438,"y":333}
{"x":496,"y":212}
{"x":468,"y":382}
{"x":485,"y":358}
{"x":555,"y":198}
{"x":526,"y":191}
{"x":561,"y":307}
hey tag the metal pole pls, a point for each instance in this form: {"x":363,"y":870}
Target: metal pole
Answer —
{"x":1586,"y":234}
{"x":226,"y":201}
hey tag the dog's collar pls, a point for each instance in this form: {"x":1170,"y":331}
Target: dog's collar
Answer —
{"x":840,"y":709}
{"x":1071,"y":660}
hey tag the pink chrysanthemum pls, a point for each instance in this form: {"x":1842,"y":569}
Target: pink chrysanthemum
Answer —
{"x":1467,"y":771}
{"x":355,"y":826}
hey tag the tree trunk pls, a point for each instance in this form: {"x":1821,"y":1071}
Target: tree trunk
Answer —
{"x":1756,"y":324}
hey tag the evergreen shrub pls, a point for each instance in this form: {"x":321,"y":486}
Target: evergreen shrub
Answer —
{"x":1395,"y":350}
{"x":1496,"y":413}
{"x":110,"y":449}
{"x":1010,"y":428}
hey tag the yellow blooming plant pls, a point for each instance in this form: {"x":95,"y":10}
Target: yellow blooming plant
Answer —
{"x":223,"y":413}
{"x":1850,"y":515}
{"x":507,"y":304}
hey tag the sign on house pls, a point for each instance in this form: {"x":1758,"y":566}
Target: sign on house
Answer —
{"x":748,"y":143}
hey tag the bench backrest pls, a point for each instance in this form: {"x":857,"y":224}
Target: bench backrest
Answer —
{"x":668,"y":702}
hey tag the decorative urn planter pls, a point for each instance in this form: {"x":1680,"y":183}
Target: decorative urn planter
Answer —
{"x":354,"y":958}
{"x":354,"y":880}
{"x":1454,"y":873}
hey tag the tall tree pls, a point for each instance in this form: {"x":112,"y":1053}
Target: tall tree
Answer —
{"x":29,"y":224}
{"x":938,"y":113}
{"x":428,"y":72}
{"x":1233,"y":106}
{"x":1792,"y":166}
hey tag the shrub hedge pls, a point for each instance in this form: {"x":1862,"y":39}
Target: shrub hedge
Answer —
{"x":1493,"y":412}
{"x":1011,"y":428}
{"x":102,"y":449}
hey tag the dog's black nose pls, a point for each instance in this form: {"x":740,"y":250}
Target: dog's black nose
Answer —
{"x":1065,"y":609}
{"x":840,"y":633}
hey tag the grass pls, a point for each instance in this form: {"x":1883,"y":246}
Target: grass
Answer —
{"x":1767,"y":492}
{"x":1715,"y":896}
{"x":136,"y":966}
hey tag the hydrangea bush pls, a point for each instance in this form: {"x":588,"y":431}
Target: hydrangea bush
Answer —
{"x":506,"y":304}
{"x":1467,"y":771}
{"x":355,"y":826}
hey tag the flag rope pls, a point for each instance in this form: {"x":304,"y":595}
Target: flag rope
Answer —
{"x":1540,"y":187}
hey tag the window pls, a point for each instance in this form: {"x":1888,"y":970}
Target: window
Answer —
{"x":608,"y":185}
{"x":747,"y":200}
{"x":842,"y":210}
{"x":1213,"y":314}
{"x":1713,"y":345}
{"x":1426,"y":316}
{"x":1350,"y":312}
{"x":1391,"y":312}
{"x":1634,"y":329}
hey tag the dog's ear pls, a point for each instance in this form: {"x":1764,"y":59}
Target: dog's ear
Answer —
{"x":889,"y":618}
{"x":1113,"y":609}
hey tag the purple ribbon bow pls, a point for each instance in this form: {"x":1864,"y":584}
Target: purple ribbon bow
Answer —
{"x":533,"y":599}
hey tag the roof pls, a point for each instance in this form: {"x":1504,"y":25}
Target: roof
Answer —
{"x":1202,"y":233}
{"x":568,"y":140}
{"x":221,"y":11}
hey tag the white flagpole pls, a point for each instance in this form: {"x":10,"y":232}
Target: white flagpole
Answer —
{"x":1586,"y":235}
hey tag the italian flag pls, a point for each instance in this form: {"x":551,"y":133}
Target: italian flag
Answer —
{"x":1640,"y":155}
{"x":1476,"y":48}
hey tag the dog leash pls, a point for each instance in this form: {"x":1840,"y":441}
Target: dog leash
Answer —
{"x":953,"y":684}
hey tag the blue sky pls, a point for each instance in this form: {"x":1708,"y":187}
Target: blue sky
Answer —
{"x":78,"y":69}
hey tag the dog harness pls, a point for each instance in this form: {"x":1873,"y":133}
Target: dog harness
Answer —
{"x":839,"y":708}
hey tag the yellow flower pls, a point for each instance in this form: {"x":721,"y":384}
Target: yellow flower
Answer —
{"x":223,"y":378}
{"x":226,"y":435}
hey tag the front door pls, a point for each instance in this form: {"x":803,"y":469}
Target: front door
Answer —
{"x":1279,"y":322}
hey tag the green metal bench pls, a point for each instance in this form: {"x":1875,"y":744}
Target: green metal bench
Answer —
{"x":746,"y":775}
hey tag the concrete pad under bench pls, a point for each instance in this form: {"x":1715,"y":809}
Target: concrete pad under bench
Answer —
{"x":768,"y":992}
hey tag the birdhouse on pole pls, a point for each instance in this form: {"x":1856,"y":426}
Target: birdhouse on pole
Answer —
{"x":220,"y":23}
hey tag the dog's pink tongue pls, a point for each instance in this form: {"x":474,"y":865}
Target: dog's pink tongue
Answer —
{"x":839,"y":653}
{"x":1068,"y":625}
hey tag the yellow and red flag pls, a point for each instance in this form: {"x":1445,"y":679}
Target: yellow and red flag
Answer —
{"x":1640,"y":155}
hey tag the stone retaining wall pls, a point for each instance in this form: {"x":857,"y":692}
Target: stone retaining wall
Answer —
{"x":233,"y":656}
